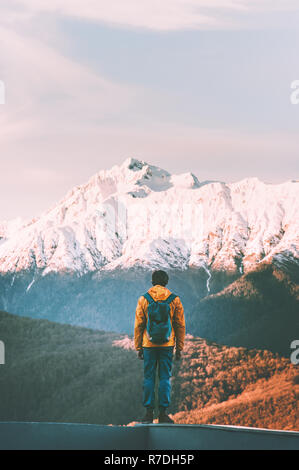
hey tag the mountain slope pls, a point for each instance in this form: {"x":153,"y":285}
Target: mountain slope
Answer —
{"x":271,"y":404}
{"x":235,"y":386}
{"x":62,"y":373}
{"x":137,"y":214}
{"x":88,"y":259}
{"x":258,"y":310}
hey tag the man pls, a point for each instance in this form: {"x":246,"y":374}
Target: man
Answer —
{"x":155,"y":342}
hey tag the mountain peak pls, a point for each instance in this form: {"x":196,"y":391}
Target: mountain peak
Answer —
{"x":133,"y":164}
{"x":137,"y":177}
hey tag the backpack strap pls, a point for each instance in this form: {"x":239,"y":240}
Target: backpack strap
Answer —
{"x":168,"y":301}
{"x":149,"y":298}
{"x":170,"y":298}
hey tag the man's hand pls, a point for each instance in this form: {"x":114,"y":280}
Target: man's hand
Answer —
{"x":178,"y":355}
{"x":140,"y":354}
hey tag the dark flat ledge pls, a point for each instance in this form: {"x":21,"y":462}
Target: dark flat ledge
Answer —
{"x":14,"y":435}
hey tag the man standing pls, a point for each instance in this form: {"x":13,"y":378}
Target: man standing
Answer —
{"x":159,"y":327}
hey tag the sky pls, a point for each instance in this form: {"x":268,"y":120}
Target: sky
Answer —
{"x":187,"y":85}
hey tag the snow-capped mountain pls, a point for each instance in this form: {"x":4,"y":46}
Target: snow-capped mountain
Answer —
{"x":137,"y":215}
{"x":8,"y":228}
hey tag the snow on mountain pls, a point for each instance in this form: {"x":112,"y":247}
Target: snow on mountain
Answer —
{"x":8,"y":228}
{"x":137,"y":214}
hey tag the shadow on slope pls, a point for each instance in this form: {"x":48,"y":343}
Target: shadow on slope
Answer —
{"x":259,"y":310}
{"x":102,"y":300}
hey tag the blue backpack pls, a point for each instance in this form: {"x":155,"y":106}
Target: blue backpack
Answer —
{"x":158,"y":322}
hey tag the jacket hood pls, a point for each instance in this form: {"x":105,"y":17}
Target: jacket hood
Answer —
{"x":159,"y":292}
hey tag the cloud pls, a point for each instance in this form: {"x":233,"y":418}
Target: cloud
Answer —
{"x":63,"y":122}
{"x":46,"y":91}
{"x":164,"y":15}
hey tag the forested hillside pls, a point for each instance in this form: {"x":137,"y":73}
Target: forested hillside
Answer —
{"x":63,"y":373}
{"x":258,"y":310}
{"x":236,"y":386}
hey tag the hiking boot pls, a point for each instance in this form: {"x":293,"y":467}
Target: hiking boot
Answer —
{"x":164,"y":418}
{"x":149,"y":416}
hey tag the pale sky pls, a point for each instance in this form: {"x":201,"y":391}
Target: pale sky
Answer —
{"x":188,"y":85}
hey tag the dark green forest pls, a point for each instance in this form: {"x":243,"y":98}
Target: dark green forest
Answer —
{"x":63,"y":373}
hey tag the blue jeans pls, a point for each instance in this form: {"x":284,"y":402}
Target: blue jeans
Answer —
{"x":161,"y":356}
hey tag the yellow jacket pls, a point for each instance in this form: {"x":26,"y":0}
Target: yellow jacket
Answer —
{"x":177,"y":319}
